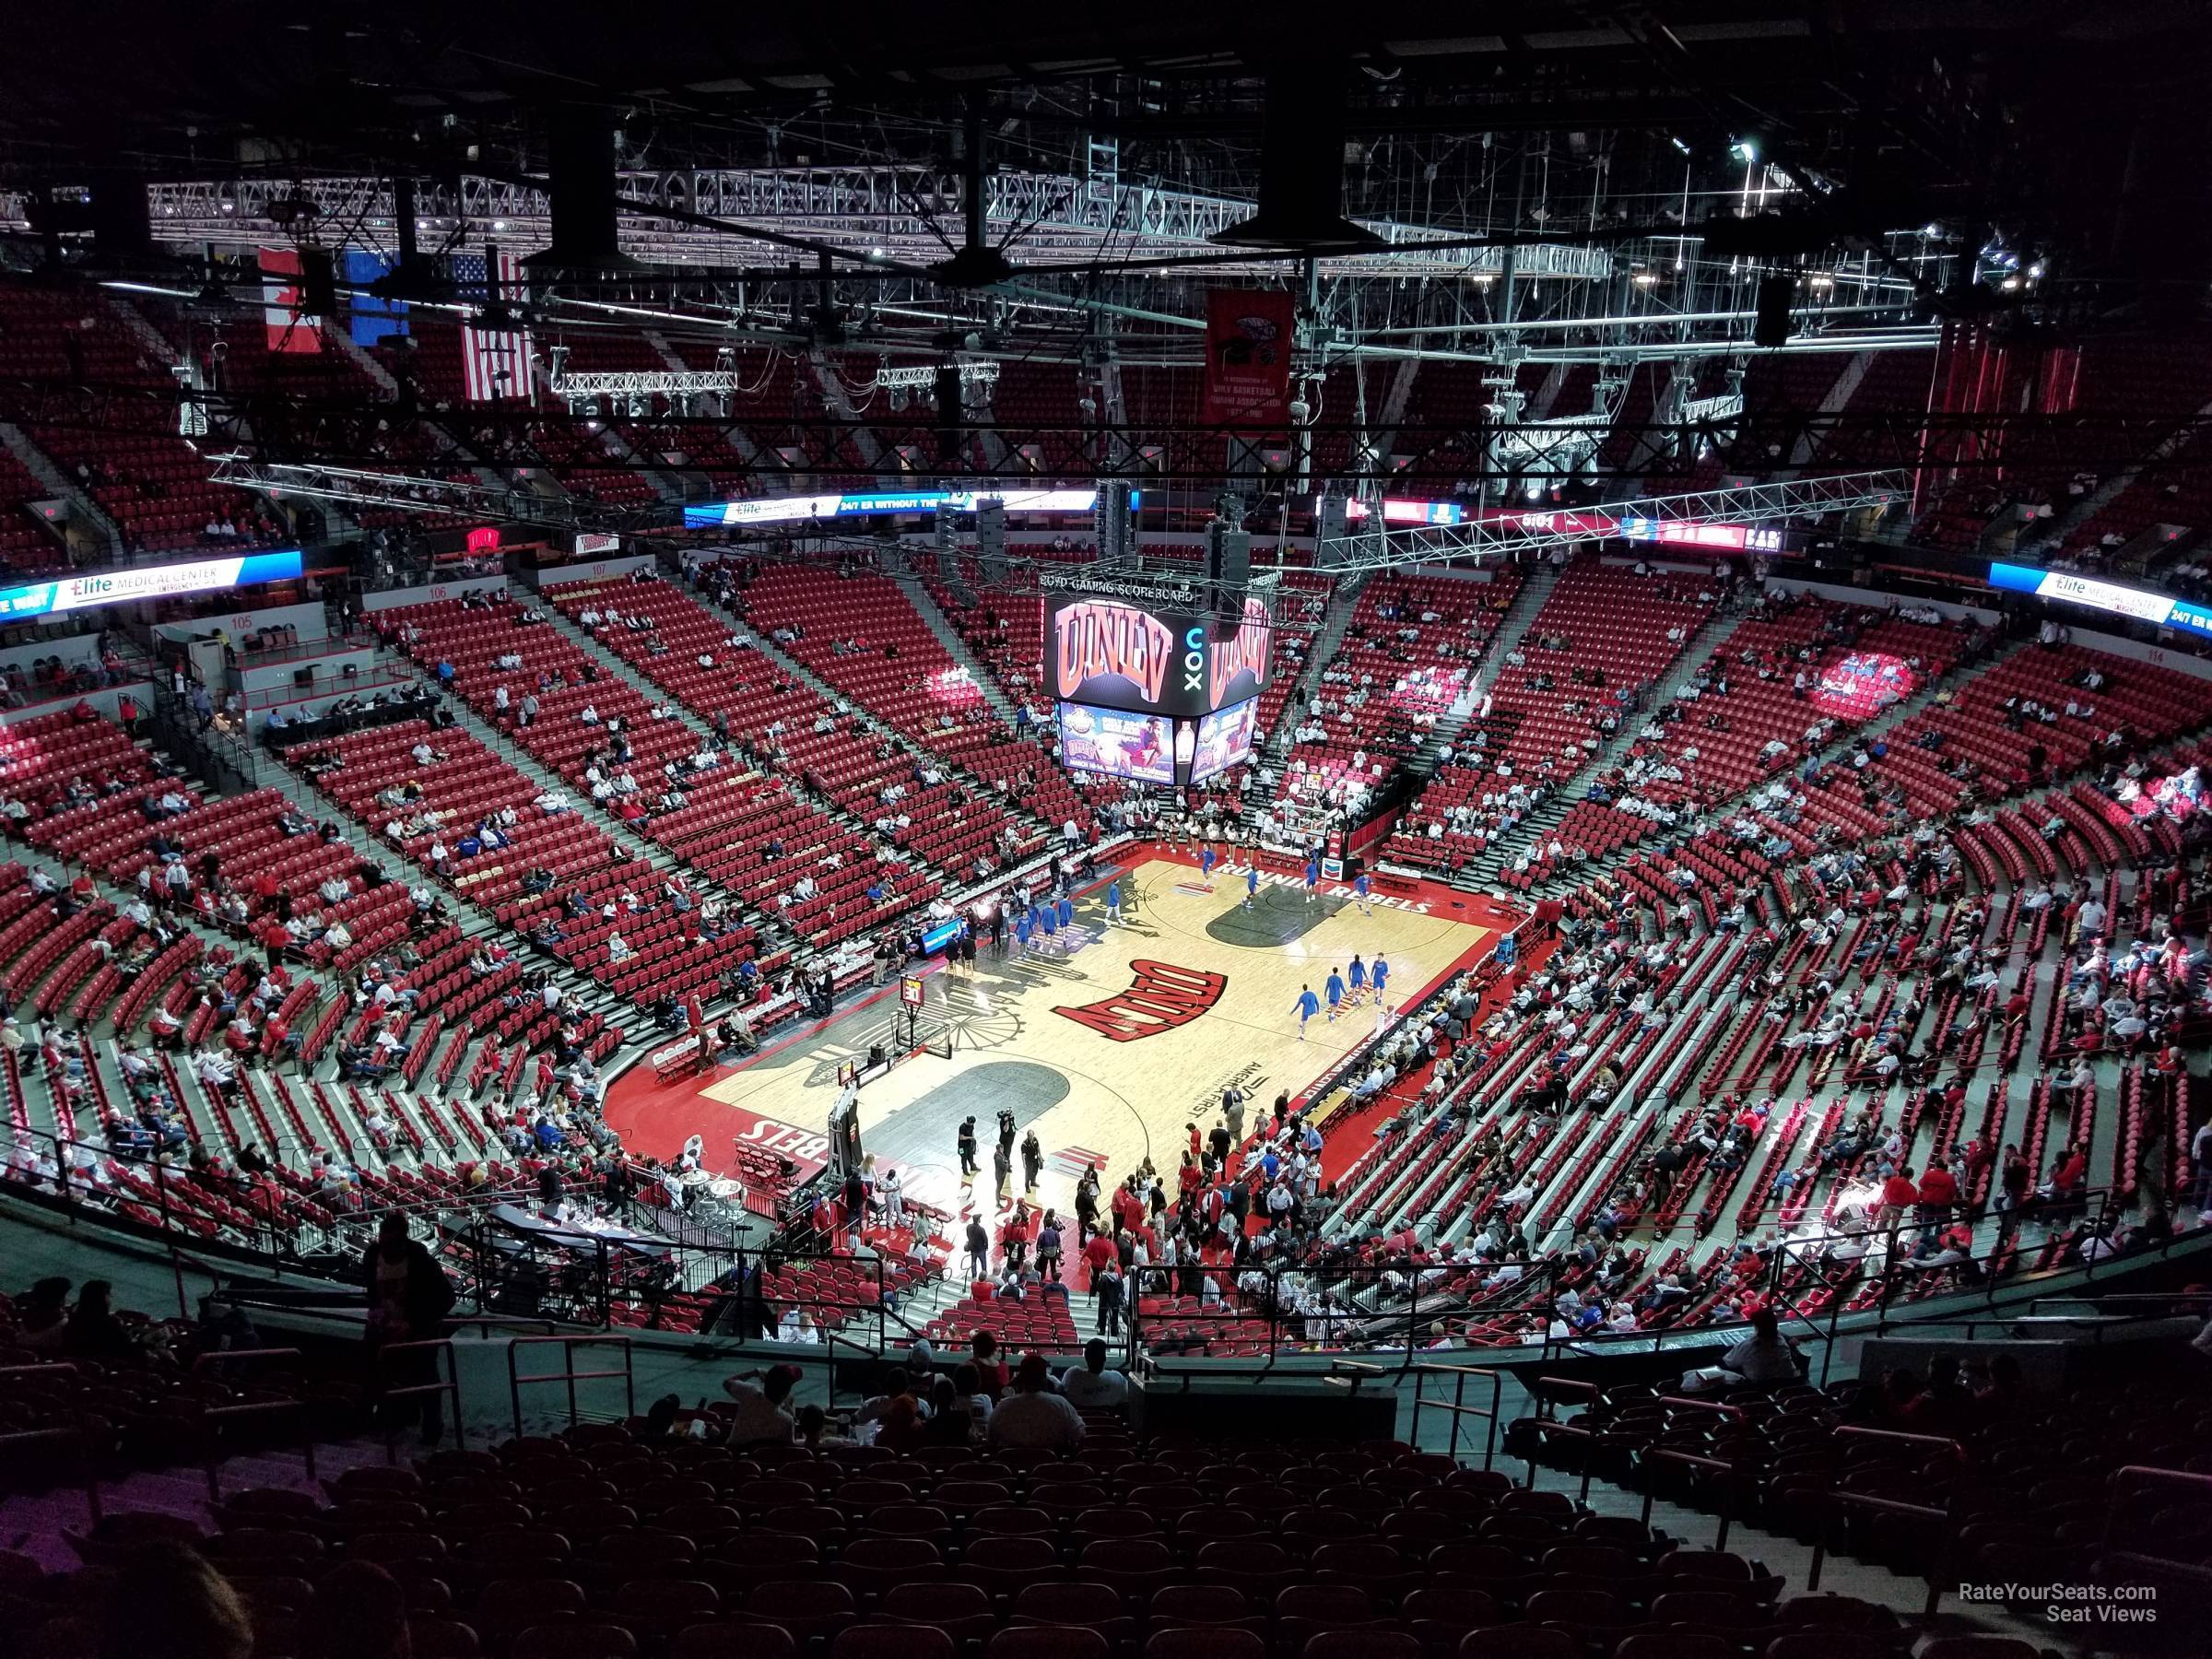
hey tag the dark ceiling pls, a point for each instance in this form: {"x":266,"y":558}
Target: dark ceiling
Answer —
{"x":2020,"y":109}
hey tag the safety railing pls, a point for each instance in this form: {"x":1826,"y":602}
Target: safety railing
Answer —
{"x":212,"y":1417}
{"x":1548,"y":1394}
{"x":443,"y":1389}
{"x":830,"y":1346}
{"x":356,"y":685}
{"x":517,"y":1379}
{"x":1456,"y":1407}
{"x":1272,"y":1311}
{"x":2127,"y":1486}
{"x":69,"y":1446}
{"x":1720,"y":1472}
{"x":1944,"y":1527}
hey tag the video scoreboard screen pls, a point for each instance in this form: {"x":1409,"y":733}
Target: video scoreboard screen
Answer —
{"x":1114,"y":653}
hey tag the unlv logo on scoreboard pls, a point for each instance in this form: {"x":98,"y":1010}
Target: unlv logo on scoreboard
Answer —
{"x":1245,"y":651}
{"x":1097,"y":637}
{"x":1164,"y":997}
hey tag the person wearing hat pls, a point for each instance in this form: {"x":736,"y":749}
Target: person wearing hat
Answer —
{"x":1033,"y":1417}
{"x":763,"y":1415}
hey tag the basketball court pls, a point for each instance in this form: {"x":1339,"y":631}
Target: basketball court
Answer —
{"x":1106,"y":1050}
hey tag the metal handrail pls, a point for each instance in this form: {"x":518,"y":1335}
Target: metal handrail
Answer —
{"x":2137,"y":1474}
{"x":73,"y":1440}
{"x":1548,"y":1392}
{"x":1945,"y":1540}
{"x":1695,"y":1461}
{"x":570,"y":1342}
{"x":1457,"y":1407}
{"x":1716,"y":1407}
{"x":449,"y":1385}
{"x":1898,"y":1435}
{"x":830,"y":1344}
{"x":222,"y":1414}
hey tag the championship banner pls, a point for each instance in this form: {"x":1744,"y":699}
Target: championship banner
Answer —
{"x":1247,"y":338}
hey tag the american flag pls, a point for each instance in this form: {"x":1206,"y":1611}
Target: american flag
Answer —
{"x":494,"y":363}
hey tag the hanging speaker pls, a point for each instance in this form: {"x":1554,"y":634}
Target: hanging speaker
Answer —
{"x":318,"y":283}
{"x":950,"y":413}
{"x":1770,"y":324}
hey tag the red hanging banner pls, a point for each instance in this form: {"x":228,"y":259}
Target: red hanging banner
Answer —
{"x":1248,"y":335}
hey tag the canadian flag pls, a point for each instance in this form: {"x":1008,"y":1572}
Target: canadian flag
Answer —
{"x":283,"y":314}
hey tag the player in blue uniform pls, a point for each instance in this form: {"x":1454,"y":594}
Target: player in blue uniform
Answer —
{"x":1067,"y":912}
{"x":1206,"y":863}
{"x":1381,"y":977}
{"x":1251,"y":883}
{"x":1356,"y":977}
{"x":1308,"y":1005}
{"x":1335,"y":991}
{"x":1359,"y":889}
{"x":1048,"y":923}
{"x":1313,"y":880}
{"x":1021,"y":935}
{"x":1113,"y":903}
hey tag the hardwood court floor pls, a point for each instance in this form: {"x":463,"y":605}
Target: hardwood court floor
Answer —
{"x":1108,"y":1050}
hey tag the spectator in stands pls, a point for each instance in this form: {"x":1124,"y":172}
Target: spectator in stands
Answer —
{"x":1033,"y":1417}
{"x":763,"y":1415}
{"x":408,"y":1296}
{"x":1764,"y":1356}
{"x":91,"y":1331}
{"x":1092,"y":1387}
{"x":167,"y":1603}
{"x":1939,"y":1195}
{"x":359,"y":1611}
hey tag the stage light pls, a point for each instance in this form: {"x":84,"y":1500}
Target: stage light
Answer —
{"x":1680,"y":144}
{"x":1931,"y":229}
{"x":1745,"y":150}
{"x":1534,"y":490}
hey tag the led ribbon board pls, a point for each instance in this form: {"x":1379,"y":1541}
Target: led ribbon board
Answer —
{"x":1695,"y":533}
{"x":147,"y":582}
{"x":2138,"y":603}
{"x":793,"y":510}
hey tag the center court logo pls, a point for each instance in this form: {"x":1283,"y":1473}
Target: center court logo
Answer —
{"x":1164,"y":996}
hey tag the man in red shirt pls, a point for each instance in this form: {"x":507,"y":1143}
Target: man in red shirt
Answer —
{"x":1900,"y":1193}
{"x":1100,"y":1254}
{"x":1938,"y":1195}
{"x":2067,"y":1175}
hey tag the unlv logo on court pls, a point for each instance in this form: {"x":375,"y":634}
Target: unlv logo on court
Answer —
{"x":1164,"y":996}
